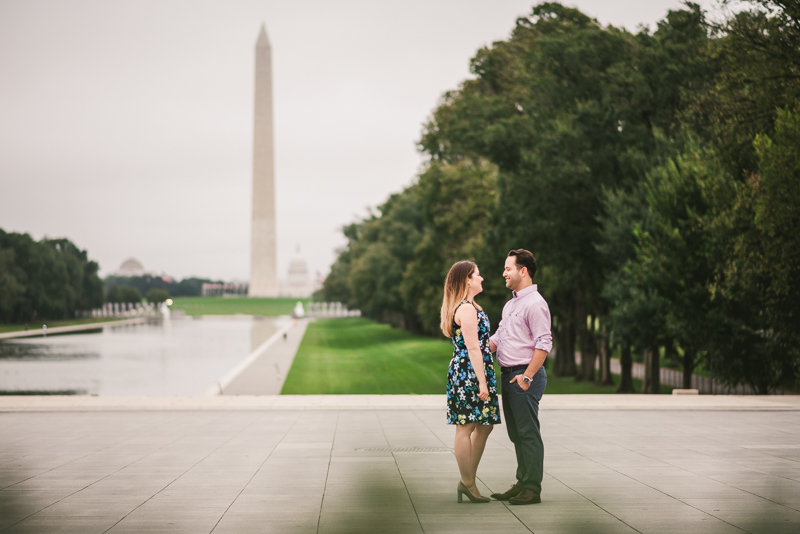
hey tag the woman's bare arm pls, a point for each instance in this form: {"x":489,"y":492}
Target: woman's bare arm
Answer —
{"x":467,"y":319}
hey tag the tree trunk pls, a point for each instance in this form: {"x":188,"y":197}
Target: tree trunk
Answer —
{"x":586,"y":371}
{"x":688,"y":368}
{"x":558,"y":342}
{"x":565,"y":356}
{"x":652,"y":375}
{"x":605,"y":358}
{"x":626,"y":365}
{"x":588,"y":354}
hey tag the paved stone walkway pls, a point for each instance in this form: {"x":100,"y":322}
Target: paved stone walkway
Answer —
{"x":264,"y":371}
{"x":390,"y":470}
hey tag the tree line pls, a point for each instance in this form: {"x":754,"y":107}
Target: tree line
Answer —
{"x":54,"y":279}
{"x":46,"y":279}
{"x":654,"y":175}
{"x":154,"y":288}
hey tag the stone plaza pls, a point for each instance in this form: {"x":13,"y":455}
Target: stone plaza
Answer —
{"x":350,"y":464}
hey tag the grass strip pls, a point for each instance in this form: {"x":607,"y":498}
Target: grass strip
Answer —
{"x":268,"y":307}
{"x":359,"y":356}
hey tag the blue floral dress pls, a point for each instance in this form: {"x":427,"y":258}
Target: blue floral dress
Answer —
{"x":463,"y":404}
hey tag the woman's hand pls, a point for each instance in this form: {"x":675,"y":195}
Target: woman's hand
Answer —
{"x":483,"y":391}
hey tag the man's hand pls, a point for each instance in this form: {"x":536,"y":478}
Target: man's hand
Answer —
{"x":520,"y":382}
{"x":492,"y":346}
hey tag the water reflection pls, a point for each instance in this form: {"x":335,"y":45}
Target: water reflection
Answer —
{"x":42,"y":351}
{"x":182,"y":357}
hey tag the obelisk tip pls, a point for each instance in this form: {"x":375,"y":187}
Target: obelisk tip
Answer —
{"x":263,"y":40}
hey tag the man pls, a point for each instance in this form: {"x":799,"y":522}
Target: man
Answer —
{"x":522,"y":342}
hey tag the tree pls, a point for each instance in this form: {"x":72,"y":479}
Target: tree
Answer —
{"x":50,"y":279}
{"x":566,"y":108}
{"x":757,"y":259}
{"x":456,"y":202}
{"x":673,"y":259}
{"x":156,"y":296}
{"x":125,"y":294}
{"x":756,"y":59}
{"x":369,"y":271}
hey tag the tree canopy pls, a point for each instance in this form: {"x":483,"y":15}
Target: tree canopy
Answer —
{"x":47,"y":279}
{"x":654,"y":175}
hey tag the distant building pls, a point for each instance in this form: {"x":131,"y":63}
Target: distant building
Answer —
{"x":131,"y":267}
{"x":298,"y":283}
{"x":223,"y":290}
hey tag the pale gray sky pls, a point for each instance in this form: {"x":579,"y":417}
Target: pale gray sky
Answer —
{"x":127,"y":126}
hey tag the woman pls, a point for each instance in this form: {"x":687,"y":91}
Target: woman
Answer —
{"x":471,"y":385}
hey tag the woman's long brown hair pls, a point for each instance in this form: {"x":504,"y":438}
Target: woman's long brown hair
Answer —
{"x":456,"y":291}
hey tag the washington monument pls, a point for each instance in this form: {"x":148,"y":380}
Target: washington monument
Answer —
{"x":263,"y":260}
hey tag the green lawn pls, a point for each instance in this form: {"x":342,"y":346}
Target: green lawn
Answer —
{"x":356,"y":355}
{"x":231,"y":306}
{"x":360,"y":356}
{"x":37,"y":325}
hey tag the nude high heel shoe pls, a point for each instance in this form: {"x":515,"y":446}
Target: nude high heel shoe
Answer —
{"x":462,"y":490}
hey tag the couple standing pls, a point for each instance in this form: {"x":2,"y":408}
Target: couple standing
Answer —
{"x":522,"y":342}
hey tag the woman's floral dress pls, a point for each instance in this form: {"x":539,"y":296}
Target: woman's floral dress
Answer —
{"x":463,"y":404}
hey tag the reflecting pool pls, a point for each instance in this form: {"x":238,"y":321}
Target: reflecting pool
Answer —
{"x":177,"y":357}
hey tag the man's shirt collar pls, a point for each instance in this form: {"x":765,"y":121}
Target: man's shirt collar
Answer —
{"x":523,"y":292}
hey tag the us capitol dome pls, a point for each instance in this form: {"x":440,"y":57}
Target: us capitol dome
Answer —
{"x":131,"y":267}
{"x":298,"y":282}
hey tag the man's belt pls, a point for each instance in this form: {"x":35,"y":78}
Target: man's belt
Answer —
{"x":506,"y":370}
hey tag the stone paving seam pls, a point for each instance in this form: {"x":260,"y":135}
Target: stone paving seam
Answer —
{"x":189,"y":469}
{"x":71,"y":461}
{"x":477,"y":477}
{"x":98,"y":480}
{"x":711,"y":477}
{"x":58,"y":444}
{"x":328,"y":472}
{"x":518,"y":518}
{"x":594,"y":503}
{"x":648,"y":485}
{"x":261,"y":466}
{"x":736,"y":487}
{"x":394,"y":458}
{"x":25,"y":438}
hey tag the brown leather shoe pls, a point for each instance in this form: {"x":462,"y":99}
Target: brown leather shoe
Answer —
{"x":513,"y":492}
{"x":526,"y":497}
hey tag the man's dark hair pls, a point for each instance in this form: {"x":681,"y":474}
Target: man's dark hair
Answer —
{"x":524,"y":258}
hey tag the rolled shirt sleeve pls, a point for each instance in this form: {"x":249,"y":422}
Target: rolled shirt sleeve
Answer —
{"x":540,"y":327}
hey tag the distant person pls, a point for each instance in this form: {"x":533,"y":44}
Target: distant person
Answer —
{"x":522,"y":342}
{"x":472,"y":403}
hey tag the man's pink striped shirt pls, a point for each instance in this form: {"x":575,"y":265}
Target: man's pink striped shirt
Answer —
{"x":525,"y":326}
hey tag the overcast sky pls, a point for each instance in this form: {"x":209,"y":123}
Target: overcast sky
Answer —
{"x":127,"y":126}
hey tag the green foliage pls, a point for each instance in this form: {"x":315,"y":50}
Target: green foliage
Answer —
{"x":188,"y":287}
{"x":756,"y":60}
{"x":394,"y":266}
{"x":157,"y":295}
{"x":123,"y":294}
{"x":567,"y":109}
{"x":49,"y":279}
{"x":655,"y":176}
{"x":758,"y":264}
{"x":456,"y":202}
